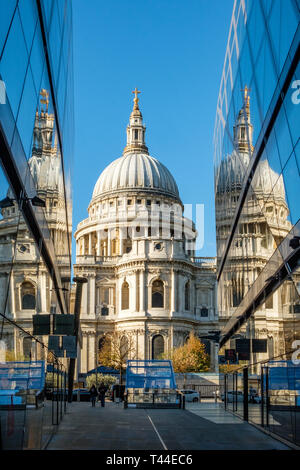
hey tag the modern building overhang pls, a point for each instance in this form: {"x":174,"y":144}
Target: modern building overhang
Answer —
{"x":284,"y":261}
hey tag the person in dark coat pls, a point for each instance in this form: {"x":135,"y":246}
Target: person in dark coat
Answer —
{"x":102,"y":391}
{"x":93,"y":394}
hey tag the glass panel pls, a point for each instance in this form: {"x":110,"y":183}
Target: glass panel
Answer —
{"x":265,"y":76}
{"x":291,"y":104}
{"x":26,"y":114}
{"x":54,"y":43}
{"x":37,"y":59}
{"x":14,"y":65}
{"x":256,"y":29}
{"x":28,"y":15}
{"x":5,"y":20}
{"x":291,"y":182}
{"x":254,"y":397}
{"x":282,"y":26}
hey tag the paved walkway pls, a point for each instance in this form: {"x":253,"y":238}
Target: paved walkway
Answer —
{"x":203,"y":426}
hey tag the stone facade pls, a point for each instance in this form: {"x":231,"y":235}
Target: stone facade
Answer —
{"x":137,"y":251}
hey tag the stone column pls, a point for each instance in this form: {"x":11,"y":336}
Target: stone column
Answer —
{"x":146,"y":301}
{"x":12,"y":294}
{"x":84,"y":298}
{"x":121,"y":241}
{"x":84,"y":352}
{"x":137,"y":356}
{"x":173,"y":294}
{"x":137,"y":291}
{"x":216,"y":299}
{"x":92,"y":352}
{"x":83,"y":245}
{"x":142,"y":291}
{"x":92,"y":294}
{"x":90,"y":243}
{"x":179,"y":298}
{"x":108,"y":243}
{"x":98,"y":243}
{"x":117,"y":308}
{"x":42,"y":292}
{"x":112,"y":300}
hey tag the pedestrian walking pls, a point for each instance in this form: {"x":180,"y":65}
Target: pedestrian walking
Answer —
{"x":252,"y":393}
{"x":93,"y":394}
{"x":102,"y":391}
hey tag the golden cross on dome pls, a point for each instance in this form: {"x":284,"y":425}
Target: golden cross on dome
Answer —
{"x":136,"y":92}
{"x":45,"y":98}
{"x":136,"y":100}
{"x":246,"y":94}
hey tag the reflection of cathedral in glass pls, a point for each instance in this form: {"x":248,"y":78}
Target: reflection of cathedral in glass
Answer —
{"x":263,"y":224}
{"x":30,"y":286}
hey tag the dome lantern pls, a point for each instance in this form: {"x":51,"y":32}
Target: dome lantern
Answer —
{"x":136,"y":129}
{"x":243,"y":130}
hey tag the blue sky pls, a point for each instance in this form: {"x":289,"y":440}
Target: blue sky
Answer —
{"x":173,"y":51}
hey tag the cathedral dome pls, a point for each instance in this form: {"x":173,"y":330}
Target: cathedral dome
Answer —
{"x":233,"y":170}
{"x":136,"y":171}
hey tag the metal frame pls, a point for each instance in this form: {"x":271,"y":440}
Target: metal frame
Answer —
{"x":272,"y":284}
{"x":245,"y":389}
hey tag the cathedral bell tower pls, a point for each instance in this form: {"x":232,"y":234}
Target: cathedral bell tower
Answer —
{"x":135,"y":129}
{"x":43,"y":127}
{"x":243,"y":130}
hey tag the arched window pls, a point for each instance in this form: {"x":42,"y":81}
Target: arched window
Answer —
{"x":157,"y":294}
{"x":187,"y":296}
{"x":125,"y":296}
{"x":27,"y":343}
{"x":100,"y":347}
{"x":28,"y":296}
{"x":124,"y":348}
{"x":204,"y":312}
{"x":101,"y":343}
{"x":158,"y":346}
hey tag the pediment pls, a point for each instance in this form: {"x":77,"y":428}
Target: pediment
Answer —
{"x":204,"y":284}
{"x":104,"y":280}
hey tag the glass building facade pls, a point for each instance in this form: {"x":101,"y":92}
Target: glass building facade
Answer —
{"x":257,"y":181}
{"x":36,"y":149}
